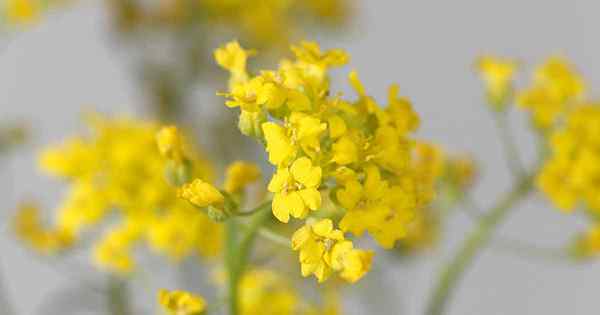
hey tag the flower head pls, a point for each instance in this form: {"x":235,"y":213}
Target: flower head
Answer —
{"x":296,"y":190}
{"x":324,"y":249}
{"x":498,"y":74}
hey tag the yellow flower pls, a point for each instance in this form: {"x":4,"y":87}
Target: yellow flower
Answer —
{"x":201,"y":194}
{"x":498,"y":74}
{"x":23,"y":11}
{"x":362,"y":152}
{"x":324,"y":250}
{"x":181,"y":303}
{"x":571,"y":174}
{"x":556,"y":86}
{"x":384,"y":211}
{"x":170,"y":143}
{"x":29,"y":228}
{"x":239,"y":175}
{"x":301,"y":132}
{"x":114,"y":251}
{"x":265,"y":292}
{"x":233,"y":58}
{"x":310,"y":53}
{"x":117,"y":171}
{"x":296,"y":190}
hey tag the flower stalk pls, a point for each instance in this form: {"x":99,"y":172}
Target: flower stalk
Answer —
{"x":238,"y":246}
{"x":479,"y":238}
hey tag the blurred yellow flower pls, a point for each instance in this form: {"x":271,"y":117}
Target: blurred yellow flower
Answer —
{"x":498,"y":74}
{"x":181,"y":303}
{"x":570,"y":176}
{"x":239,"y":175}
{"x":23,"y":11}
{"x":556,"y":87}
{"x":118,"y":171}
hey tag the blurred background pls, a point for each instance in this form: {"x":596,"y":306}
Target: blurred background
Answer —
{"x":74,"y":61}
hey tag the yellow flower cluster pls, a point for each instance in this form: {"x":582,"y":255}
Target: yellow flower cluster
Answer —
{"x":556,"y":87}
{"x":324,"y":249}
{"x":571,"y":175}
{"x":181,"y":303}
{"x":319,"y":142}
{"x":116,"y":174}
{"x":266,"y":292}
{"x":451,"y":176}
{"x":22,"y":11}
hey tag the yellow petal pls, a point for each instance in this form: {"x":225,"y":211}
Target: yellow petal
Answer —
{"x":323,"y":227}
{"x":311,"y":198}
{"x":279,"y":145}
{"x":280,"y":210}
{"x":279,"y":180}
{"x":303,"y":172}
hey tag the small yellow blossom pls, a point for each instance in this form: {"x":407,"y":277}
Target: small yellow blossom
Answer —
{"x":301,"y":132}
{"x":201,"y":194}
{"x":296,"y":190}
{"x":23,"y":11}
{"x":498,"y":74}
{"x":239,"y":175}
{"x":266,"y":292}
{"x":324,"y":249}
{"x":181,"y":303}
{"x":30,"y":229}
{"x":170,"y":143}
{"x":233,"y":58}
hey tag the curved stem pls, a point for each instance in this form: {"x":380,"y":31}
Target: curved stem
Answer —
{"x":514,"y":246}
{"x":474,"y":243}
{"x":117,"y":297}
{"x":237,"y":252}
{"x":510,"y":148}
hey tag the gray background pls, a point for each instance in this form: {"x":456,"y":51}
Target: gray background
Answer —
{"x":69,"y":62}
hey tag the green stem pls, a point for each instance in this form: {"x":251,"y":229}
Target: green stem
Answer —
{"x":237,"y":252}
{"x":231,"y":265}
{"x":474,"y":243}
{"x":510,"y":147}
{"x":117,"y":297}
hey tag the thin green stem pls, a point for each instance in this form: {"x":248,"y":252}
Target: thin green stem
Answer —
{"x":514,"y":246}
{"x":232,"y":265}
{"x":117,"y":297}
{"x":513,"y":159}
{"x":475,"y":242}
{"x":238,"y":249}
